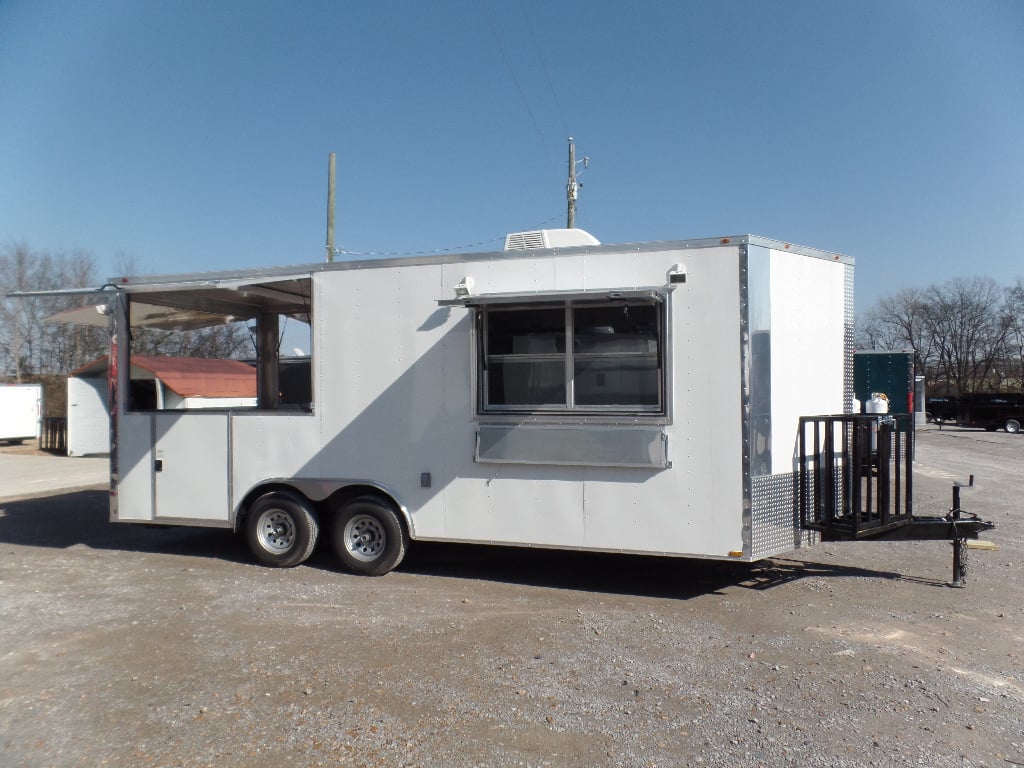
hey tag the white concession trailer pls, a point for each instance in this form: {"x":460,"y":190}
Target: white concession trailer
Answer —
{"x":20,"y":411}
{"x":641,"y":398}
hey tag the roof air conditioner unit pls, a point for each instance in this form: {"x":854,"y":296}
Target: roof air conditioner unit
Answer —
{"x":548,"y":238}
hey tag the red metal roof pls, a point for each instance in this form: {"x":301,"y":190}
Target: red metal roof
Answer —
{"x":191,"y":376}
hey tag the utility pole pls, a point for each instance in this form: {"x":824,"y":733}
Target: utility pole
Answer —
{"x":330,"y":208}
{"x":572,"y":188}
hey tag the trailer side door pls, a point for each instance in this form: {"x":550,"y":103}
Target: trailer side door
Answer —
{"x":191,"y":462}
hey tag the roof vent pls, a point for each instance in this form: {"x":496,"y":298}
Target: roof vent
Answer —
{"x":548,"y":238}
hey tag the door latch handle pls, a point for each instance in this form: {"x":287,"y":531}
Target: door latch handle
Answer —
{"x":158,"y":465}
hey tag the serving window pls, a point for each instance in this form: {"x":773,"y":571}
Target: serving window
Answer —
{"x":573,"y":356}
{"x":210,"y":344}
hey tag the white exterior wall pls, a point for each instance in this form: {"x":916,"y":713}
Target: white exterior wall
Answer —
{"x":396,"y":398}
{"x":175,"y":401}
{"x":807,"y":300}
{"x":135,"y":455}
{"x":20,"y":410}
{"x":88,"y":416}
{"x":385,"y":352}
{"x":394,"y":387}
{"x":274,"y":445}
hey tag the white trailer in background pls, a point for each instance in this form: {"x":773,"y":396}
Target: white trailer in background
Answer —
{"x":643,"y":398}
{"x":20,"y":412}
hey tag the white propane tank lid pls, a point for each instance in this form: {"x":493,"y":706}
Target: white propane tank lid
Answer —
{"x":879,"y":403}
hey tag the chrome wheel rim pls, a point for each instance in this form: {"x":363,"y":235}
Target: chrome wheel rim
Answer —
{"x":365,"y":538}
{"x":276,"y":531}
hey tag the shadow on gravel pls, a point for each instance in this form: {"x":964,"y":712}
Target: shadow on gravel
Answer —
{"x":639,"y":575}
{"x":81,"y":518}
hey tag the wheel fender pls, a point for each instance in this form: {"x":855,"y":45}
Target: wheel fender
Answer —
{"x":318,"y":490}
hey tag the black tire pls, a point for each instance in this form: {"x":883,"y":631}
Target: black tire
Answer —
{"x":368,"y":536}
{"x":1012,"y":426}
{"x":281,"y":529}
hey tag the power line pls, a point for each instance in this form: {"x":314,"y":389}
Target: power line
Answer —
{"x":544,"y":67}
{"x":511,"y":72}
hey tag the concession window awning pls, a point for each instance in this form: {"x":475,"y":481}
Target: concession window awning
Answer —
{"x":189,"y":305}
{"x":653,"y":294}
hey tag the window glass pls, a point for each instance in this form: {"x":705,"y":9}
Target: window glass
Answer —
{"x":531,"y":331}
{"x":615,"y":355}
{"x":573,"y":357}
{"x":526,"y":382}
{"x":616,"y":381}
{"x":629,"y":328}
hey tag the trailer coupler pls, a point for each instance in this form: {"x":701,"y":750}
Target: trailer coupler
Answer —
{"x":957,"y":526}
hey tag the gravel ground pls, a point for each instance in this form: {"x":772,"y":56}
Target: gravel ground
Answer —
{"x":138,"y":646}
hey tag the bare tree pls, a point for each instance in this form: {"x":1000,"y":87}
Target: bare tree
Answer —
{"x":873,"y":332}
{"x":15,"y":266}
{"x":31,"y":346}
{"x":222,"y":341}
{"x":899,"y":322}
{"x":68,"y":346}
{"x":967,"y":335}
{"x":1014,"y":313}
{"x":969,"y":329}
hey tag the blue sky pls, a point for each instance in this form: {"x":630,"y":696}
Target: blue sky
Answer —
{"x":195,"y":135}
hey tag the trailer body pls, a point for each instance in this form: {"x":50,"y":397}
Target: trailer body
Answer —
{"x":639,"y":398}
{"x":984,"y":410}
{"x":20,"y":411}
{"x":992,"y":411}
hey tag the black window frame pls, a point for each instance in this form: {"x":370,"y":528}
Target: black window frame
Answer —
{"x":568,"y":356}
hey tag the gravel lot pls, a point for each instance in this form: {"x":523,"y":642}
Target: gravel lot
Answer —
{"x":138,"y":646}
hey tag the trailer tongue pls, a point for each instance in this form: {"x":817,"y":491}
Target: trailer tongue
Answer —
{"x":855,"y":482}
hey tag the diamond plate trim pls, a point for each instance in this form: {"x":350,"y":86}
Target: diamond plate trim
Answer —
{"x":848,"y":323}
{"x":775,"y":519}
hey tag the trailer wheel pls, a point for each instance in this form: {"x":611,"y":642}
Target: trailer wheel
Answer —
{"x":1012,"y":426}
{"x":281,"y":529}
{"x":368,"y":536}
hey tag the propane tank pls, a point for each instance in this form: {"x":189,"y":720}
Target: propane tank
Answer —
{"x":879,"y":403}
{"x":876,"y":406}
